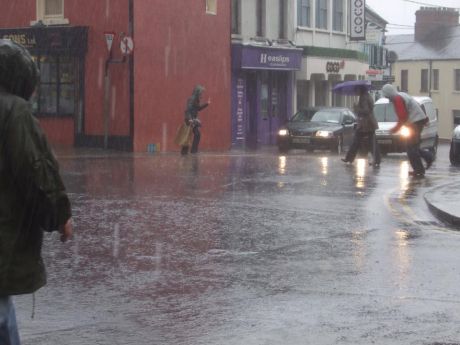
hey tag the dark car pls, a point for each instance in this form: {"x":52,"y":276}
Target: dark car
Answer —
{"x":328,"y":128}
{"x":454,"y":153}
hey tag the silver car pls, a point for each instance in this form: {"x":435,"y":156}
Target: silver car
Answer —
{"x":454,"y":153}
{"x":387,"y":119}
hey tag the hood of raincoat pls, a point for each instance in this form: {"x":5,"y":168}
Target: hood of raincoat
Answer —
{"x":19,"y":74}
{"x":197,"y":91}
{"x":389,"y":91}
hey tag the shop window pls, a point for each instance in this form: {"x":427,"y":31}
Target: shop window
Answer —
{"x":57,"y":92}
{"x":321,"y":14}
{"x":303,"y":93}
{"x":236,"y":17}
{"x":456,"y":116}
{"x":303,"y":13}
{"x":424,"y":80}
{"x":51,"y":12}
{"x":337,"y":15}
{"x":404,"y":80}
{"x":435,"y":83}
{"x":457,"y":79}
{"x":264,"y":94}
{"x":211,"y":6}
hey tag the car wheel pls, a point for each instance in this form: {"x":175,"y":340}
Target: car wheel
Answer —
{"x":283,"y":148}
{"x":452,"y":155}
{"x":434,"y":148}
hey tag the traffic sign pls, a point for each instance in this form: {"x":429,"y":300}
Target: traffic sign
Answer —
{"x":126,"y":45}
{"x":109,"y":36}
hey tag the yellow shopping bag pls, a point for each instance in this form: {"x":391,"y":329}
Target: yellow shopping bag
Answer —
{"x":183,"y":135}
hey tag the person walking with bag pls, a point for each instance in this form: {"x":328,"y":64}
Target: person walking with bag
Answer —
{"x":191,"y":118}
{"x":410,"y":114}
{"x":33,"y":197}
{"x":367,"y":124}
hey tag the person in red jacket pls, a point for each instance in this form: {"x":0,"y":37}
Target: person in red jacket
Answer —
{"x":411,"y":115}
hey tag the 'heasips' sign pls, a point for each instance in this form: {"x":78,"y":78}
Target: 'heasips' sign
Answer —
{"x":357,"y":20}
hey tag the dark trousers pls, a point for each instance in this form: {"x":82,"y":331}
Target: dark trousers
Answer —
{"x":414,"y":152}
{"x":196,"y":139}
{"x":195,"y":142}
{"x":358,"y":138}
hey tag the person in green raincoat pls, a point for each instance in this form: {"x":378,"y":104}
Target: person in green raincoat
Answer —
{"x":32,"y":195}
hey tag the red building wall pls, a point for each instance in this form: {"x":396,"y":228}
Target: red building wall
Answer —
{"x":102,"y":16}
{"x":178,"y":45}
{"x":98,"y":16}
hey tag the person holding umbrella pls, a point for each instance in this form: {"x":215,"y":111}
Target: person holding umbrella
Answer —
{"x":367,"y":124}
{"x":191,"y":117}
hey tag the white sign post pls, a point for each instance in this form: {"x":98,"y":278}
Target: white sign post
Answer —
{"x":109,"y":36}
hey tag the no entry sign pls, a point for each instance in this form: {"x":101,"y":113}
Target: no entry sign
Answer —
{"x":126,"y":45}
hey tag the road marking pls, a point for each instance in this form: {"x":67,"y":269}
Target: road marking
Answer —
{"x":406,"y":214}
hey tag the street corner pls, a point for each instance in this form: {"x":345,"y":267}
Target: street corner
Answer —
{"x":443,"y":202}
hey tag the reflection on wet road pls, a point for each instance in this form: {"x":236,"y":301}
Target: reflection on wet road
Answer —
{"x":247,"y":248}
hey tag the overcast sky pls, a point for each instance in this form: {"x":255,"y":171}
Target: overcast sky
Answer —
{"x":402,"y":12}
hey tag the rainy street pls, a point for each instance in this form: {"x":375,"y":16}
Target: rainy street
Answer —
{"x":247,"y":248}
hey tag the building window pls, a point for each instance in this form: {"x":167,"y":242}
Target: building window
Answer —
{"x":57,"y":91}
{"x":321,"y":14}
{"x":260,"y":13}
{"x":457,"y":80}
{"x":282,"y":21}
{"x":404,"y":80}
{"x":51,"y":12}
{"x":456,"y":117}
{"x":424,"y":80}
{"x":236,"y":15}
{"x":435,"y":83}
{"x":54,"y":8}
{"x":337,"y":19}
{"x":303,"y":13}
{"x":211,"y":6}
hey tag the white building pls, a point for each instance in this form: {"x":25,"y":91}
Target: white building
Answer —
{"x":288,"y":54}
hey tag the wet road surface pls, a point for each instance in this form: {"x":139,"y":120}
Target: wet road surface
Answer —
{"x":247,"y":248}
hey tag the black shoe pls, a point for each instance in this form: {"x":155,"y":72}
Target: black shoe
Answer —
{"x":429,"y":163}
{"x":184,"y":151}
{"x":345,"y":160}
{"x":416,"y":174}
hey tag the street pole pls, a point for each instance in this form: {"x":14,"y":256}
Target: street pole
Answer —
{"x":107,"y":101}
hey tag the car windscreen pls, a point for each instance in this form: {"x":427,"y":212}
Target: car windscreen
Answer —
{"x":301,"y":116}
{"x":326,"y":116}
{"x":385,"y":113}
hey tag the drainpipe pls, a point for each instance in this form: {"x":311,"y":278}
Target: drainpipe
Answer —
{"x":430,"y":71}
{"x":131,"y":74}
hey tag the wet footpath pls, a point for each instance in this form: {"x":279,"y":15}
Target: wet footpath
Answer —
{"x":250,"y":248}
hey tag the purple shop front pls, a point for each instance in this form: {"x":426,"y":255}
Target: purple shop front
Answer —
{"x":262,"y":87}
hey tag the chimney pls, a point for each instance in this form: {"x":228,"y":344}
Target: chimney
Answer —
{"x":428,"y":19}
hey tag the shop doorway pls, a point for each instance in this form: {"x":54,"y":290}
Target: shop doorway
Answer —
{"x":251,"y":106}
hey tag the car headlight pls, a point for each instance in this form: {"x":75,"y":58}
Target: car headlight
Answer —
{"x":324,"y":134}
{"x":283,"y":132}
{"x":405,"y":132}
